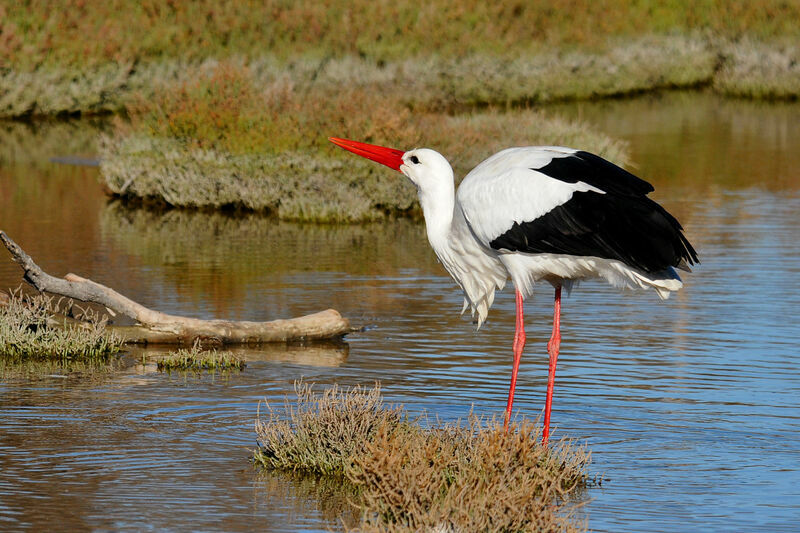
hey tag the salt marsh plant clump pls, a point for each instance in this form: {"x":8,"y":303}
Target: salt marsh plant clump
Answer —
{"x":30,"y":331}
{"x":323,"y":432}
{"x":623,"y":67}
{"x":198,"y":359}
{"x":408,"y":475}
{"x":293,"y":186}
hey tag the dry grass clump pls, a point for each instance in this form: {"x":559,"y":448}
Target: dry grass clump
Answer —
{"x":468,"y":478}
{"x":198,"y":359}
{"x":30,"y":331}
{"x":410,"y":477}
{"x":323,"y":433}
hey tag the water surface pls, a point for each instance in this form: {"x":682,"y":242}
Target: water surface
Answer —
{"x":690,"y":406}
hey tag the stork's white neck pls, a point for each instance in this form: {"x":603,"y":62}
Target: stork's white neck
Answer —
{"x":477,"y":272}
{"x":433,"y":177}
{"x":437,"y":207}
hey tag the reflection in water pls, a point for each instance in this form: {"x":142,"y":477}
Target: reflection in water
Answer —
{"x":323,"y":354}
{"x":309,"y":498}
{"x":34,"y":144}
{"x":249,"y":267}
{"x":689,"y":406}
{"x":12,"y":368}
{"x":703,"y":142}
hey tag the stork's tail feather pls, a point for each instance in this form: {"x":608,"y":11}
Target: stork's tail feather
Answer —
{"x":480,"y":308}
{"x":664,"y":282}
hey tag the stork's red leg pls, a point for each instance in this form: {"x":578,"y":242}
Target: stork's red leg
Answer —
{"x":519,"y":344}
{"x":552,"y":349}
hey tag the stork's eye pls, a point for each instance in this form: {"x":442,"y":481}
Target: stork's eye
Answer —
{"x":415,"y":159}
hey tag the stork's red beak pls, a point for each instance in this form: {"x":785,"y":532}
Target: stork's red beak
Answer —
{"x":386,"y":156}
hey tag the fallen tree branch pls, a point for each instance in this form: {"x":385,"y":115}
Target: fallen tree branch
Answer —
{"x":155,"y":327}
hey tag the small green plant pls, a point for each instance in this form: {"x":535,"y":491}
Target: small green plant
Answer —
{"x":198,"y":359}
{"x":408,"y":475}
{"x":32,"y":329}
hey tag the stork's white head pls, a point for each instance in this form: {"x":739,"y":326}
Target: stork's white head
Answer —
{"x":427,"y":169}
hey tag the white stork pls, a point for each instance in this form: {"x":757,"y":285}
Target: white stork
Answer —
{"x":540,"y":213}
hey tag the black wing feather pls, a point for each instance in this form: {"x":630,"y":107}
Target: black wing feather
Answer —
{"x":622,"y":224}
{"x":597,"y":172}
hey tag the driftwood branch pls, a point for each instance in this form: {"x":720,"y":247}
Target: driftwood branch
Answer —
{"x":155,"y":327}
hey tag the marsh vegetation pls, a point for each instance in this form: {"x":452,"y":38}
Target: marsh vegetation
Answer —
{"x":35,"y":328}
{"x":136,"y":47}
{"x":37,"y":338}
{"x":229,"y":104}
{"x":409,"y":474}
{"x":198,"y":359}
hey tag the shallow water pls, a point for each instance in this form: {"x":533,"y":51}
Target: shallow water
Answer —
{"x":690,"y":407}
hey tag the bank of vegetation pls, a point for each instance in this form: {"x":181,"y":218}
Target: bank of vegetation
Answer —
{"x":266,"y":148}
{"x":413,"y":475}
{"x":229,"y":104}
{"x":77,"y":56}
